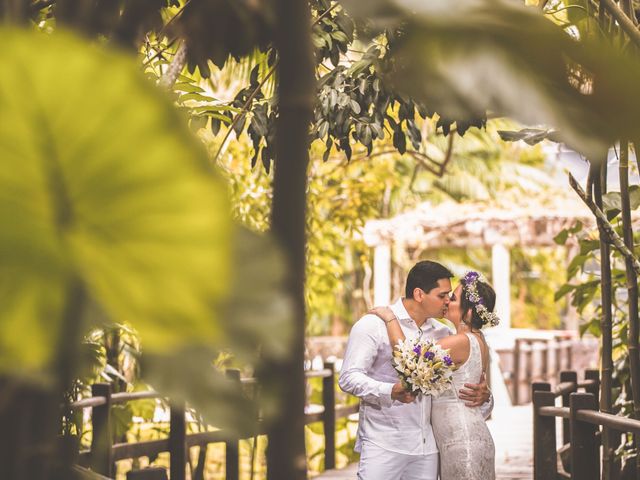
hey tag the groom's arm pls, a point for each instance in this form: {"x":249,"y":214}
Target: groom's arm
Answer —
{"x":359,"y":356}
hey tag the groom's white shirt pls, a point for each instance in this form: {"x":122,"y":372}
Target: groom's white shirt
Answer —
{"x":367,"y":373}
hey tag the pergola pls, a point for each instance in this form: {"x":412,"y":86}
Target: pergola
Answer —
{"x":497,"y":227}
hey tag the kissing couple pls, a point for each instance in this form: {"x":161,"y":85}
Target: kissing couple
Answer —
{"x":408,"y":436}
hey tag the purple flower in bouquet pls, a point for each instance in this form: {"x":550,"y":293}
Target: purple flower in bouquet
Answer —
{"x":422,"y":367}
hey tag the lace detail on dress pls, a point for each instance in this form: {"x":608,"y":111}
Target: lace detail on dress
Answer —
{"x":466,"y":448}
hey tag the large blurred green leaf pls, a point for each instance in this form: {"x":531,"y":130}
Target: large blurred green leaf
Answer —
{"x":258,"y":320}
{"x":475,"y":55}
{"x":259,"y":312}
{"x":101,"y":181}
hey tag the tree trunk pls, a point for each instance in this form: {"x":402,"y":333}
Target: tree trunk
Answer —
{"x":632,"y":287}
{"x":600,"y":187}
{"x":286,"y":449}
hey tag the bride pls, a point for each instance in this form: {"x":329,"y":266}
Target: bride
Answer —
{"x":466,"y":448}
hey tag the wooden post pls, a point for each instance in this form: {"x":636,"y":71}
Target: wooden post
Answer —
{"x":329,"y":417}
{"x":569,"y":354}
{"x":29,"y":422}
{"x":608,"y":436}
{"x":593,"y":374}
{"x":544,"y":434}
{"x":177,"y":445}
{"x":151,"y":473}
{"x":516,"y":372}
{"x":540,"y":387}
{"x":232,"y":451}
{"x":101,"y":454}
{"x":585,"y":451}
{"x":528,"y":366}
{"x":558,"y":354}
{"x":567,"y":376}
{"x":546,"y":375}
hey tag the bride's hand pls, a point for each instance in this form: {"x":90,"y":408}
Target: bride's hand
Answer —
{"x":385,"y":313}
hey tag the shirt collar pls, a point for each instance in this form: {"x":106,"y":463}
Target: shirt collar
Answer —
{"x":400,"y":311}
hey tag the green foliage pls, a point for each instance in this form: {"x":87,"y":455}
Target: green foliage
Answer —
{"x":354,"y":104}
{"x":121,"y":200}
{"x":123,"y":203}
{"x":479,"y":57}
{"x":584,"y":288}
{"x":583,"y":292}
{"x":476,"y":167}
{"x":353,"y":107}
{"x":611,"y":202}
{"x":216,"y":30}
{"x":341,"y":198}
{"x":535,"y":279}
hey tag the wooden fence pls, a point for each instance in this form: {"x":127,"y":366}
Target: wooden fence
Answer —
{"x":534,"y":360}
{"x":101,"y":457}
{"x":579,"y":456}
{"x":523,"y":359}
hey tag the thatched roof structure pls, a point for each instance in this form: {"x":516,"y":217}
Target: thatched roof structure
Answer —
{"x":452,"y":224}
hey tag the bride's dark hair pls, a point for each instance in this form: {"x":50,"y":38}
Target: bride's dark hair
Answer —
{"x":487,"y":298}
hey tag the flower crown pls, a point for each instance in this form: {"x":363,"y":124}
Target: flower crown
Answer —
{"x":470,"y":281}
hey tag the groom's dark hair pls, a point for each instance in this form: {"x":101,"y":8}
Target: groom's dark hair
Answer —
{"x":425,"y":275}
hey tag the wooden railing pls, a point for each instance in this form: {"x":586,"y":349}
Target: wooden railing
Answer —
{"x":581,"y":422}
{"x":103,"y":454}
{"x":535,"y":360}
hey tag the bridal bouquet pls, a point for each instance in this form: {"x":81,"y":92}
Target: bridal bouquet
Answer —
{"x":424,"y":366}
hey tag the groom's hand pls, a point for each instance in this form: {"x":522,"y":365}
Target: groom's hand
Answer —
{"x":475,"y":394}
{"x":400,"y":394}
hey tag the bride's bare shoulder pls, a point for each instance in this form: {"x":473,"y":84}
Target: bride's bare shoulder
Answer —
{"x":458,"y":346}
{"x":457,"y":339}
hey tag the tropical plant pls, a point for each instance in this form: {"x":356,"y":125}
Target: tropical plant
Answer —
{"x":429,"y":58}
{"x":116,"y":218}
{"x":584,"y":288}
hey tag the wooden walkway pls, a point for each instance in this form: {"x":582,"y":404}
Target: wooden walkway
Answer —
{"x":511,"y":428}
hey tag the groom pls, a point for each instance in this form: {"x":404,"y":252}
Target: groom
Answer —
{"x":395,"y":439}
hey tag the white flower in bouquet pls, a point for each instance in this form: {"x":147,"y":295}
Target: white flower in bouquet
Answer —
{"x":423,"y":366}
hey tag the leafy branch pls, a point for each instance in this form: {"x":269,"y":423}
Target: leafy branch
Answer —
{"x":626,"y":23}
{"x":607,"y":228}
{"x":244,"y":109}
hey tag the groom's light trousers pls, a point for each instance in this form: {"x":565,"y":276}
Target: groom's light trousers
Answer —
{"x":376,"y":463}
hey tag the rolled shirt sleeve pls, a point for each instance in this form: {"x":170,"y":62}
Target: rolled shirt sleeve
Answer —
{"x":487,"y":407}
{"x":359,"y":357}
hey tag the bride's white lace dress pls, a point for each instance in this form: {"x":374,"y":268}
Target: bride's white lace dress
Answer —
{"x":466,"y":448}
